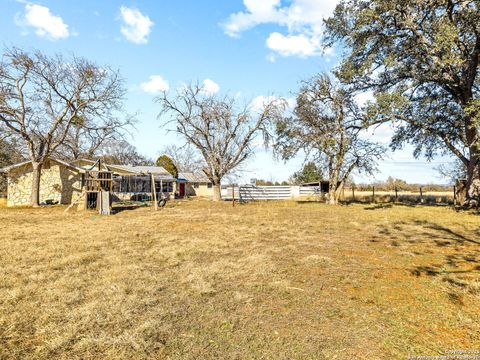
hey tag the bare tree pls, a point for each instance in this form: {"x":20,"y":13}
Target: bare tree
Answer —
{"x":121,"y":152}
{"x":453,"y":171}
{"x":326,"y":126}
{"x":43,"y":97}
{"x":86,"y":139}
{"x":186,"y":159}
{"x":218,"y":128}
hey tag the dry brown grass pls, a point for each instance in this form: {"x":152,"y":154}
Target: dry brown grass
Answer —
{"x":428,"y":197}
{"x":200,"y":280}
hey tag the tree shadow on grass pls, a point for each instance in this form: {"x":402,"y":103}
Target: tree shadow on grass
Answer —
{"x":378,"y":206}
{"x":442,"y":232}
{"x":453,"y":254}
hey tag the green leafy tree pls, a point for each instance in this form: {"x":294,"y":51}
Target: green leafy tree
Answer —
{"x":168,"y":164}
{"x":421,"y":59}
{"x":309,"y":173}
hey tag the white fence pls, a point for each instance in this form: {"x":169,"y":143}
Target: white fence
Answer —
{"x":251,"y":192}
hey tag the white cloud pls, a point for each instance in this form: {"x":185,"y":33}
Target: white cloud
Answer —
{"x":210,"y":87}
{"x":154,"y":85}
{"x":259,"y":102}
{"x":380,"y":133}
{"x":46,"y":24}
{"x":136,"y":26}
{"x":299,"y":45}
{"x":303,"y":20}
{"x":258,"y":12}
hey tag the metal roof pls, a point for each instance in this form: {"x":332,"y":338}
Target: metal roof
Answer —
{"x":159,"y":172}
{"x":193,"y":177}
{"x":64,"y":163}
{"x":155,"y":170}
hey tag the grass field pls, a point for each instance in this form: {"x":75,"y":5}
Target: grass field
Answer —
{"x":200,"y":280}
{"x":409,"y":197}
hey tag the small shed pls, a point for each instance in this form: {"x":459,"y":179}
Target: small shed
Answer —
{"x":195,"y":184}
{"x":324,"y":185}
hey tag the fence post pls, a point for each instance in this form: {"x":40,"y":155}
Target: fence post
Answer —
{"x":154,"y":192}
{"x":353,"y":192}
{"x":454,"y":195}
{"x":421,"y":195}
{"x":396,"y":194}
{"x":233,"y":195}
{"x":295,"y":192}
{"x":373,"y":193}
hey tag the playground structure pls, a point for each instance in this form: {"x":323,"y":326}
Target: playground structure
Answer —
{"x":105,"y":189}
{"x":96,"y":188}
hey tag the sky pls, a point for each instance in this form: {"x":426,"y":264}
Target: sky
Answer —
{"x":249,"y":49}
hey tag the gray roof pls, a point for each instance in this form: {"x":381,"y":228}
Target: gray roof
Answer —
{"x":155,"y":170}
{"x":193,"y":177}
{"x":158,"y":171}
{"x":64,"y":163}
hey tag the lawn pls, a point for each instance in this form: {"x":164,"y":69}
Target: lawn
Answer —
{"x":203,"y":280}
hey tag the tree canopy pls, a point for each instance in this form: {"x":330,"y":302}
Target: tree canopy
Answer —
{"x":185,"y":158}
{"x":326,"y":126}
{"x":42,"y":98}
{"x":309,"y":173}
{"x":167,"y":163}
{"x":421,"y":58}
{"x":222,"y":131}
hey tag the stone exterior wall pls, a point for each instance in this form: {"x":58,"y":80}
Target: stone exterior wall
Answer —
{"x":57,"y":183}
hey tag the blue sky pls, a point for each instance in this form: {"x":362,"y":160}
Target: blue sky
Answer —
{"x":247,"y":48}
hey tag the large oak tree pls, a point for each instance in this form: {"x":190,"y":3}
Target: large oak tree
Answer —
{"x":42,"y":98}
{"x":421,"y":58}
{"x":326,"y":127}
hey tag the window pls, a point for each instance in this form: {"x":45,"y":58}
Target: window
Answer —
{"x":209,"y":185}
{"x":167,"y":186}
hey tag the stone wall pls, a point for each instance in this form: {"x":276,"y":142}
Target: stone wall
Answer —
{"x":58,"y":183}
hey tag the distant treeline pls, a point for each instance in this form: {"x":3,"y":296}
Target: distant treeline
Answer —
{"x":401,"y":185}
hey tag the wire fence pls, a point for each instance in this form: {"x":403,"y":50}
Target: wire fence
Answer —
{"x":314,"y":193}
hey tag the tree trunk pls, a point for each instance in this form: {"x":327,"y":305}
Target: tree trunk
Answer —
{"x":332,"y":189}
{"x":36,"y":174}
{"x":217,"y":191}
{"x":473,"y":168}
{"x":473,"y":181}
{"x":331,"y":197}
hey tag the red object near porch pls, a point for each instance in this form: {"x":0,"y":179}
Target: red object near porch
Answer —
{"x":181,"y":190}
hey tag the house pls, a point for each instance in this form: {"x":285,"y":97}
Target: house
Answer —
{"x":62,"y":182}
{"x":59,"y":183}
{"x":195,"y":184}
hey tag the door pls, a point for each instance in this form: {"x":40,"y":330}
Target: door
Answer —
{"x":181,"y":190}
